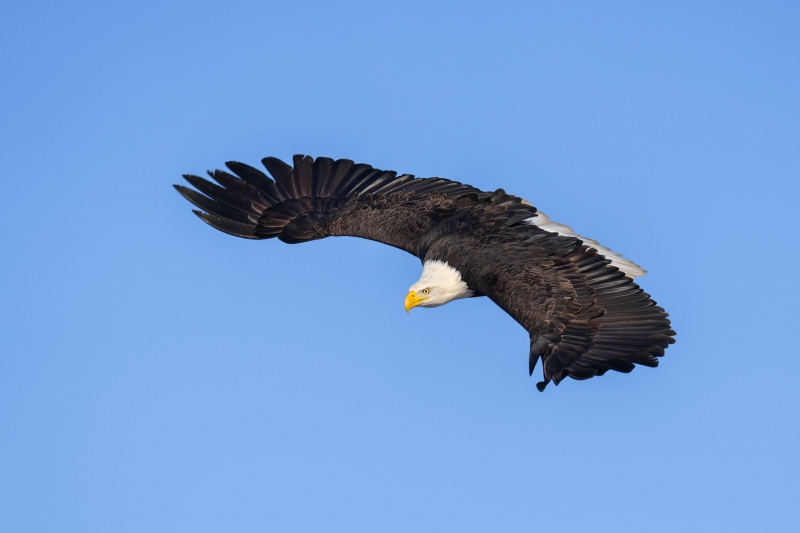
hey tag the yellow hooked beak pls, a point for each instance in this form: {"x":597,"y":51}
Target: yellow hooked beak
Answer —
{"x":412,"y":300}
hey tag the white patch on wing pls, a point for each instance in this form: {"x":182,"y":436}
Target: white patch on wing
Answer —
{"x":627,"y":266}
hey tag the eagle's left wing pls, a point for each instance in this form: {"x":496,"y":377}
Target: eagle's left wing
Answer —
{"x":584,"y":316}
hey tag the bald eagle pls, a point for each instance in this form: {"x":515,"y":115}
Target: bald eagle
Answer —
{"x":577,"y":299}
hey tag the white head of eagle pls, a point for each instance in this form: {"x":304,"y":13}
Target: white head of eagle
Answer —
{"x":438,"y":284}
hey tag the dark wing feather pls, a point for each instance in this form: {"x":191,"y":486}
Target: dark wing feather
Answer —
{"x":584,"y":316}
{"x":351,"y":180}
{"x":377,"y":181}
{"x":228,"y":226}
{"x":239,"y":186}
{"x":338,"y":172}
{"x":282,"y":173}
{"x":214,"y":207}
{"x":223,"y":195}
{"x":257,"y":179}
{"x":319,"y":174}
{"x":317,"y":199}
{"x":301,"y":176}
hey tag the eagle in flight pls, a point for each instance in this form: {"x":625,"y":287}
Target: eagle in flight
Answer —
{"x":584,"y":313}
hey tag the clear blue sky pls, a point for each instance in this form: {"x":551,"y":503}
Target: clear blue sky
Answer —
{"x":157,"y":375}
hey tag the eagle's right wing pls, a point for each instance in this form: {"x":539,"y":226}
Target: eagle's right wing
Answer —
{"x":321,"y":198}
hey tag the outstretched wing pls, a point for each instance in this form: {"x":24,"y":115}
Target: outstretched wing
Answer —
{"x":320,"y":198}
{"x":584,"y":316}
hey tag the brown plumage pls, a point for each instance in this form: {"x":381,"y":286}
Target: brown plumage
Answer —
{"x":583,"y":314}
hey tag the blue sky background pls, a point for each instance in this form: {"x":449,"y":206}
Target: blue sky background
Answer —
{"x":157,"y":375}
